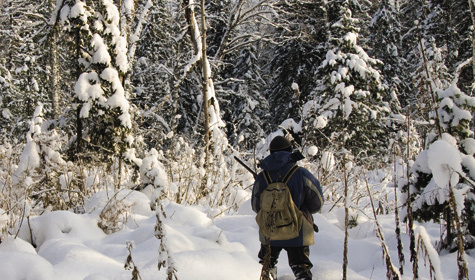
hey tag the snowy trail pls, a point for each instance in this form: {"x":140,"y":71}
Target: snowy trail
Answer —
{"x":72,"y":247}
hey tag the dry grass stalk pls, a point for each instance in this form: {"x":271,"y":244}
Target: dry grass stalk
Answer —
{"x":397,"y":153}
{"x":130,"y":265}
{"x":164,"y":259}
{"x":425,"y":247}
{"x":392,"y":273}
{"x":114,"y":215}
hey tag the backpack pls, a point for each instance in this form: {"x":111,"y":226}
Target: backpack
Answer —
{"x":279,"y":218}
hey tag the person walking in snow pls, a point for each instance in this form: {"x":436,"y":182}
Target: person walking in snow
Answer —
{"x":306,"y":195}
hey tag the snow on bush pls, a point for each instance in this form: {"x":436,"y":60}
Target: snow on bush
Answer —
{"x":328,"y":161}
{"x":444,"y":161}
{"x":312,"y":150}
{"x":115,"y":208}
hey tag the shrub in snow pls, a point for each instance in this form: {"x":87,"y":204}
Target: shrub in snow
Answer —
{"x":9,"y":196}
{"x":165,"y":257}
{"x":114,"y":215}
{"x":115,"y":208}
{"x":42,"y":173}
{"x":153,"y":177}
{"x":448,"y":163}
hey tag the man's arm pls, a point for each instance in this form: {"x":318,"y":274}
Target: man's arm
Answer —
{"x":256,"y":193}
{"x":313,"y":198}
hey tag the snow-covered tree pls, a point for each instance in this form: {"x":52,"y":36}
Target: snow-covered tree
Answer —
{"x":103,"y":117}
{"x":447,"y":164}
{"x":162,"y":109}
{"x":233,"y":45}
{"x":349,"y":109}
{"x":22,"y":24}
{"x":385,"y":40}
{"x":299,"y":41}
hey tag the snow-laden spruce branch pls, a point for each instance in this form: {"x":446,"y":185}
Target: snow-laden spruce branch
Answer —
{"x":424,"y":244}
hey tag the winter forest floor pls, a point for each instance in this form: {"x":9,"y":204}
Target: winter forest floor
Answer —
{"x":203,"y":245}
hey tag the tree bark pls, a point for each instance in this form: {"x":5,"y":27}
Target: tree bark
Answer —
{"x":347,"y":214}
{"x":461,"y":261}
{"x":472,"y":14}
{"x":206,"y":81}
{"x":78,"y":110}
{"x":53,"y":41}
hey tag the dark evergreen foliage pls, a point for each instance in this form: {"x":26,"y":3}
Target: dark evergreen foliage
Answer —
{"x":350,"y":106}
{"x":300,"y":37}
{"x":155,"y":74}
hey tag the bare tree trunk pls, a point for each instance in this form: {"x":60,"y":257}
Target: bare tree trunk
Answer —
{"x":79,"y":125}
{"x":435,"y":106}
{"x":410,"y":219}
{"x":199,"y":44}
{"x":55,"y":91}
{"x":391,"y":271}
{"x":192,"y":25}
{"x":472,"y":14}
{"x":206,"y":84}
{"x":345,"y":244}
{"x":397,"y":153}
{"x":461,"y":261}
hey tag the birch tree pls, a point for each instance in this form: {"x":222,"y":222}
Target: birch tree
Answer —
{"x":214,"y":140}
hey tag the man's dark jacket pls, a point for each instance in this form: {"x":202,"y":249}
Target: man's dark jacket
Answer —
{"x":304,"y":188}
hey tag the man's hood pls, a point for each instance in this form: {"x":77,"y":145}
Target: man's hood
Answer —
{"x":277,"y":161}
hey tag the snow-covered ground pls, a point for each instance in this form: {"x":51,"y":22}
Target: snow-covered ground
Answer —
{"x":203,"y":244}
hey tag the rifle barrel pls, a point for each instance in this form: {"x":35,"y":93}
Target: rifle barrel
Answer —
{"x":246,"y":166}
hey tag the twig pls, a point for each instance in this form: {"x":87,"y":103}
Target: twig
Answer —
{"x":392,"y":272}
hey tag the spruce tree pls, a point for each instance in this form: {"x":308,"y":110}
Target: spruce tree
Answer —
{"x":351,"y":100}
{"x":431,"y":196}
{"x":103,"y":117}
{"x":299,"y":40}
{"x":250,"y":112}
{"x":23,"y":26}
{"x":385,"y":32}
{"x":162,"y":110}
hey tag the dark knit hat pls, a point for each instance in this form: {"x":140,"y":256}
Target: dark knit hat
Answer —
{"x":280,"y":143}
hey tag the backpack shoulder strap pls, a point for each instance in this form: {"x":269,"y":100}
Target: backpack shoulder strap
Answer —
{"x":290,"y":173}
{"x":267,"y":177}
{"x":286,"y":177}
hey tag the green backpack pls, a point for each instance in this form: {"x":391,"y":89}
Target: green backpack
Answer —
{"x":279,"y":218}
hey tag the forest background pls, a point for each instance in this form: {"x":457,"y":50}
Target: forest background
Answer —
{"x":160,"y":96}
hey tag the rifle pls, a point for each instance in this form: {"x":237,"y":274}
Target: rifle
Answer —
{"x":246,"y":166}
{"x":296,"y":156}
